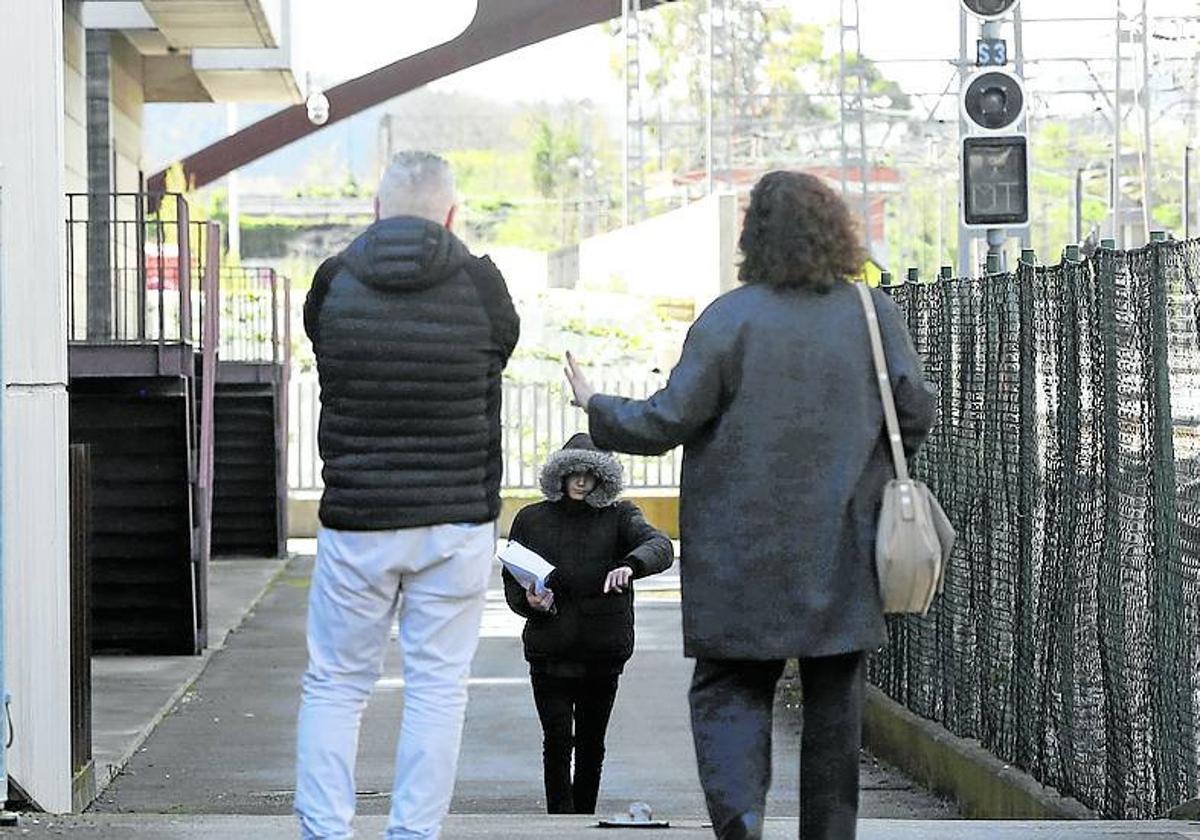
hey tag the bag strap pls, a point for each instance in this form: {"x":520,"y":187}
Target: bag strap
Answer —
{"x":885,"y":382}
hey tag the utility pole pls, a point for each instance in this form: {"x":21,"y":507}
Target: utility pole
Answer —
{"x":1147,"y":159}
{"x":634,"y":205}
{"x":965,"y":237}
{"x":995,"y":236}
{"x":235,"y":228}
{"x":852,"y":101}
{"x":1118,"y":228}
{"x":1019,"y":60}
{"x":1187,"y":192}
{"x":1078,"y":204}
{"x":708,"y":105}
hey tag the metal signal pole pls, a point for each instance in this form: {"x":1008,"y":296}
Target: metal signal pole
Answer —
{"x":965,"y":236}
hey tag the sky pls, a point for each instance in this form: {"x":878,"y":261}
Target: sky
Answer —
{"x":913,"y":39}
{"x":914,"y":42}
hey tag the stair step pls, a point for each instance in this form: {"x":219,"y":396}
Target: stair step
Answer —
{"x":142,"y":570}
{"x":245,"y":519}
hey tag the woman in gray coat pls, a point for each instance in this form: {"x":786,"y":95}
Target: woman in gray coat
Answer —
{"x":776,"y":404}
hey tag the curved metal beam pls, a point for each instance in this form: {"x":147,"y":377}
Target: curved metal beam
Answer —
{"x":499,"y":27}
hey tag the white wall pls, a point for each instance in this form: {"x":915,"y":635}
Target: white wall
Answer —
{"x":74,"y":99}
{"x":687,"y":253}
{"x":37,"y":594}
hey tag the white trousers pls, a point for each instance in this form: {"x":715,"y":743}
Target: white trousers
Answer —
{"x":438,"y":576}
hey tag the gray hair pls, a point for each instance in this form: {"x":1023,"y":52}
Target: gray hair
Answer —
{"x":417,"y":184}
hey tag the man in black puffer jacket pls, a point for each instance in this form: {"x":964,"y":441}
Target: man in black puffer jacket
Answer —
{"x":411,"y":333}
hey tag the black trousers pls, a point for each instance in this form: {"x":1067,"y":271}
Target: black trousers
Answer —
{"x":574,"y":712}
{"x":732,"y":703}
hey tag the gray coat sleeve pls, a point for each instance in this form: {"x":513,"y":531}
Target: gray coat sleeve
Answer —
{"x":915,"y":404}
{"x":692,"y":397}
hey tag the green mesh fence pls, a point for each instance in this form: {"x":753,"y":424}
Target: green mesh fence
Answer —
{"x":1068,"y":457}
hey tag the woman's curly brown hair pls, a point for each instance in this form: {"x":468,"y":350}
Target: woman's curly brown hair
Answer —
{"x":798,"y":233}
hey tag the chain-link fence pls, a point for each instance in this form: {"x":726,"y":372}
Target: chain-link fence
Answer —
{"x":1068,"y":457}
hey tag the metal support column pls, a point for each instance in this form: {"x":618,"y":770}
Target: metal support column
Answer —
{"x":1118,"y":231}
{"x":996,"y":237}
{"x":708,"y":100}
{"x":852,"y":100}
{"x":1018,"y":22}
{"x":1147,"y":134}
{"x":965,"y":268}
{"x":635,"y":159}
{"x":1187,"y":192}
{"x":102,"y":209}
{"x":1079,"y":203}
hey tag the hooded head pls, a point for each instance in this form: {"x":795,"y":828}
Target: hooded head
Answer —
{"x":405,"y":253}
{"x":580,"y":455}
{"x":411,"y":246}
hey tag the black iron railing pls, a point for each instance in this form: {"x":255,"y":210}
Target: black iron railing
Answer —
{"x":134,"y":268}
{"x":253,"y":315}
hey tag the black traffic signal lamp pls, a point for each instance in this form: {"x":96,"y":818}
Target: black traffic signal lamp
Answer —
{"x":988,"y":9}
{"x":995,"y":181}
{"x":994,"y":100}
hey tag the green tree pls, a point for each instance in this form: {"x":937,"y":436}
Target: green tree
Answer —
{"x":776,"y":79}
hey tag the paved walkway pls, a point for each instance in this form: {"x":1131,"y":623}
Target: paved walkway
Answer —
{"x":131,"y":694}
{"x":220,"y":763}
{"x":498,"y":827}
{"x":228,"y":746}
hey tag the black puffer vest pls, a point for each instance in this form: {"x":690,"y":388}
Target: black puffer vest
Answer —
{"x":411,"y":334}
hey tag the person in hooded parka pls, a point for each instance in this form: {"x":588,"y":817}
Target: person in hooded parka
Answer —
{"x":579,"y":633}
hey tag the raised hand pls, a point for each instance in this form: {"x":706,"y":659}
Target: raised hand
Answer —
{"x":580,"y":386}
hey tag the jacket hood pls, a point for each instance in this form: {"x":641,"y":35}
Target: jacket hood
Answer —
{"x":579,"y":454}
{"x":404,"y":252}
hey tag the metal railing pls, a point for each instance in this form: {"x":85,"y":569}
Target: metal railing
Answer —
{"x":254,"y":311}
{"x":134,"y":266}
{"x":536,"y":419}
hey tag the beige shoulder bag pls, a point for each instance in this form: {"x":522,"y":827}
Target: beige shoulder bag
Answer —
{"x":915,"y":537}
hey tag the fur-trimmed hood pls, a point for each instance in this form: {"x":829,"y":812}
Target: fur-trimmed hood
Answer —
{"x":579,"y":454}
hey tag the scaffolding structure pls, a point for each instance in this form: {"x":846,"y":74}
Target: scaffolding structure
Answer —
{"x":634,"y":204}
{"x":852,"y":102}
{"x":719,"y":128}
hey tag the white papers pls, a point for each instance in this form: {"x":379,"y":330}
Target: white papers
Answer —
{"x":528,"y":567}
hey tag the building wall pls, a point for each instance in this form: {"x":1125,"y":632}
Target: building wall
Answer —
{"x":686,"y":254}
{"x":75,"y":140}
{"x":128,"y":103}
{"x":35,"y":536}
{"x":74,"y":100}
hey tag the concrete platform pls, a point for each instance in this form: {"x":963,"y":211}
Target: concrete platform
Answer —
{"x":228,"y":746}
{"x":157,"y":827}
